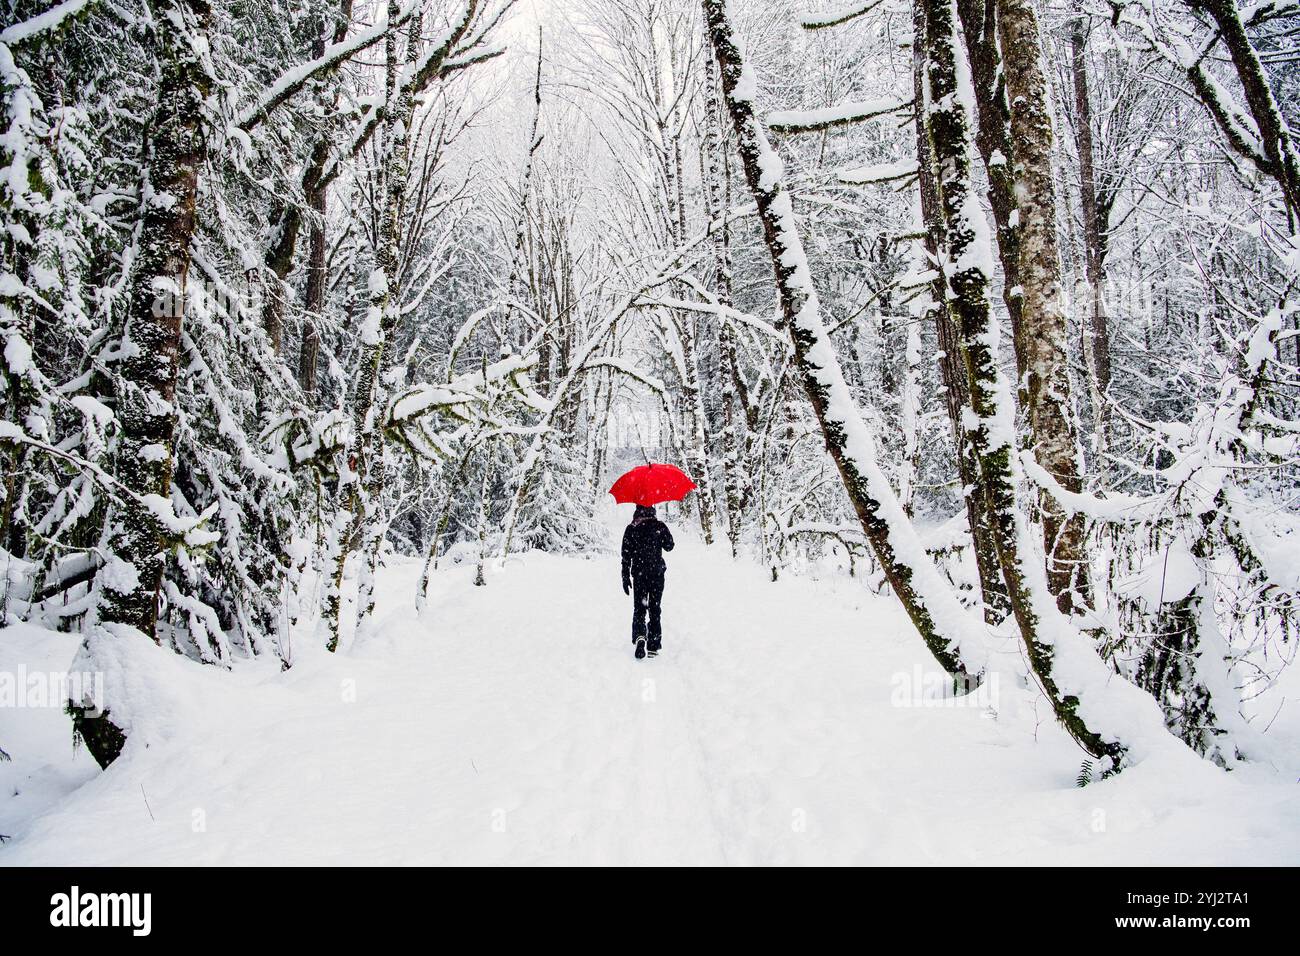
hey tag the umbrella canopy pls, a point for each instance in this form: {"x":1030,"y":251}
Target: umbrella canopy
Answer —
{"x":651,"y":484}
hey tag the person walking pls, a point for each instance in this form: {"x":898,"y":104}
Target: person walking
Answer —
{"x":644,"y":541}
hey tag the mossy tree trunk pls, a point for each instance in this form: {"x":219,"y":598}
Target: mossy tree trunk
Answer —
{"x":952,"y":370}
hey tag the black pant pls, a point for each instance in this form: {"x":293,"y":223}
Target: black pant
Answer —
{"x":646,"y":595}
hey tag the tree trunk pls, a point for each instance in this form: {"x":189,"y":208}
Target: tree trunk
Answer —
{"x":715,"y":201}
{"x":15,"y":328}
{"x":696,"y":443}
{"x":276,"y":269}
{"x":146,"y":411}
{"x":318,"y":201}
{"x":314,"y":301}
{"x":952,"y":371}
{"x":1044,"y":328}
{"x":137,"y":541}
{"x":696,"y":448}
{"x":363,"y":481}
{"x":1096,"y":334}
{"x":993,"y":140}
{"x":484,"y":512}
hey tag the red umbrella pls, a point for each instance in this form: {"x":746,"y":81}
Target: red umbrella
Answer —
{"x":651,"y":484}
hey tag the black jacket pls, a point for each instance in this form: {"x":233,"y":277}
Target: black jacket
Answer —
{"x":643,"y":543}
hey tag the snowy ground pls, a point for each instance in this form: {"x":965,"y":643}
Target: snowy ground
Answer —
{"x":512,"y":725}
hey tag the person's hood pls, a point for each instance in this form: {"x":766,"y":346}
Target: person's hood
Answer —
{"x":643,"y":513}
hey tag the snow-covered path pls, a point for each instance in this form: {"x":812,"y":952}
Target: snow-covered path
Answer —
{"x":513,"y":725}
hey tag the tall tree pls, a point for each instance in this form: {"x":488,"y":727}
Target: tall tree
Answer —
{"x":138,"y":530}
{"x":1096,"y":216}
{"x":948,"y":328}
{"x":1044,"y":325}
